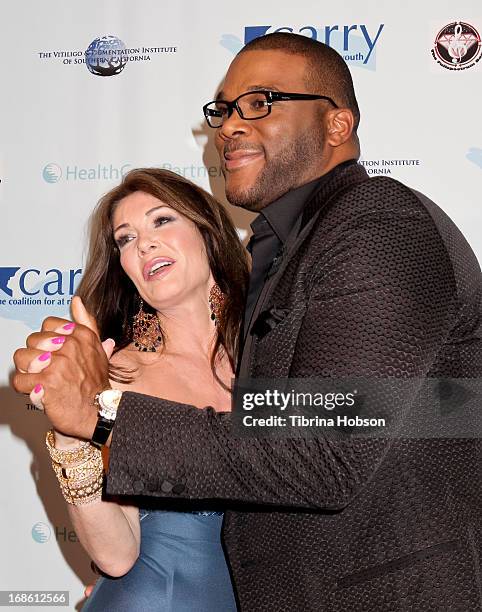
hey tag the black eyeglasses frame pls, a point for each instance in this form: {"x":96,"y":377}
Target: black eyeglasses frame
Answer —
{"x":271,"y":96}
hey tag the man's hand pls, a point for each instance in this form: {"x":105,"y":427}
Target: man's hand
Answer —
{"x":64,"y":366}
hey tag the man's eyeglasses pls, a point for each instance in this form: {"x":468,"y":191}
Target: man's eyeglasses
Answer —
{"x":252,"y":105}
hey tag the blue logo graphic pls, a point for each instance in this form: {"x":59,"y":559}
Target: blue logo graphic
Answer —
{"x":231,"y":43}
{"x":5,"y":275}
{"x":52,"y":173}
{"x":475,"y":155}
{"x":355,"y":43}
{"x":106,"y":56}
{"x":33,"y":294}
{"x":41,"y":533}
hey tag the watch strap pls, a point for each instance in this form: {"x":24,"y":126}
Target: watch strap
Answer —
{"x":102,"y":431}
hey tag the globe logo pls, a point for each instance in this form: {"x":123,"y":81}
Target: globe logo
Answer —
{"x":105,"y":57}
{"x":52,"y":173}
{"x":41,"y":533}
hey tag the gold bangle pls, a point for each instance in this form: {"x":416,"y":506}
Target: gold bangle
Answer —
{"x":76,"y":485}
{"x":87,"y":500}
{"x":77,"y":454}
{"x":87,"y":491}
{"x":81,"y":471}
{"x":87,"y":476}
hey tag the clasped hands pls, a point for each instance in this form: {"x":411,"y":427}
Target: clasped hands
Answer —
{"x":62,"y":369}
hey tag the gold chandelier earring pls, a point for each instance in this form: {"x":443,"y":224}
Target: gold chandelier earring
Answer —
{"x":146,"y":330}
{"x":216,"y":303}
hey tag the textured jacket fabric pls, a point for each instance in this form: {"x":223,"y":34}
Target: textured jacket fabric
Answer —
{"x":379,"y":282}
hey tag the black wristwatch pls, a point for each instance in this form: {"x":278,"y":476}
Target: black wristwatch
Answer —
{"x":108,"y":401}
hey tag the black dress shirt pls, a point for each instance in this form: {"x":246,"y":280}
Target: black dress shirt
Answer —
{"x":271,"y":229}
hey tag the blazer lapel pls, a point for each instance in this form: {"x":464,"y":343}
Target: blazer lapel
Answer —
{"x":342,"y":181}
{"x":276,"y":272}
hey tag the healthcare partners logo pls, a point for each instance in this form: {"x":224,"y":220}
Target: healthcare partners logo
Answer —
{"x":457,"y":46}
{"x":355,"y":42}
{"x":41,"y":533}
{"x":31,"y":294}
{"x":53,"y":173}
{"x":106,"y":55}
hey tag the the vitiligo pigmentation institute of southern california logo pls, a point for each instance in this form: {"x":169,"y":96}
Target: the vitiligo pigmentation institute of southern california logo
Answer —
{"x":457,"y":46}
{"x":106,"y":56}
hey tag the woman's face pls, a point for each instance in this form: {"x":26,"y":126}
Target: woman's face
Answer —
{"x":161,"y":251}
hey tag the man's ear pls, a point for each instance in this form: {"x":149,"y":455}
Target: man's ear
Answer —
{"x":340,"y":123}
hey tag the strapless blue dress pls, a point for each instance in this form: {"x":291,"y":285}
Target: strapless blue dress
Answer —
{"x":181,"y":568}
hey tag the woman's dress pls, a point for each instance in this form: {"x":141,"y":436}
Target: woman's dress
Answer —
{"x":181,"y":568}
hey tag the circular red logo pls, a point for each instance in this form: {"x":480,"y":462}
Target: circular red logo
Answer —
{"x":457,"y":46}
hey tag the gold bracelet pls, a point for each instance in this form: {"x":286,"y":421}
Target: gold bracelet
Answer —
{"x":81,"y":471}
{"x":76,"y":455}
{"x":76,"y":485}
{"x":84,"y":494}
{"x":84,"y":475}
{"x":87,"y":500}
{"x":69,"y":480}
{"x":86,"y":489}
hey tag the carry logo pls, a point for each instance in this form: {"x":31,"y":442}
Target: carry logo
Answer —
{"x":355,"y":42}
{"x":457,"y":46}
{"x":106,"y":55}
{"x":474,"y":155}
{"x":30,"y":294}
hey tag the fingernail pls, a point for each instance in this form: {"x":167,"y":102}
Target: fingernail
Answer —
{"x":58,"y":340}
{"x":69,"y":326}
{"x":45,"y":356}
{"x":37,"y":388}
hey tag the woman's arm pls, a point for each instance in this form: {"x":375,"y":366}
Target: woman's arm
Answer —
{"x":109,"y":532}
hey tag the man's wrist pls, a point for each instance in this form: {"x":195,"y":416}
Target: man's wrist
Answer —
{"x":107,"y":402}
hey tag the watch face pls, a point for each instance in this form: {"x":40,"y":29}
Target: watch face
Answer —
{"x":110,"y":398}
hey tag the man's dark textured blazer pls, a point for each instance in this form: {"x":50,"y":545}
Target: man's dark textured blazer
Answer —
{"x":378,"y":283}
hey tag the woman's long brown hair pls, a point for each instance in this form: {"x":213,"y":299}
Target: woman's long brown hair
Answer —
{"x":111,"y":296}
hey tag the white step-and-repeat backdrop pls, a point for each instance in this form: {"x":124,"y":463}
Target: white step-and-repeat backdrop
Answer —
{"x":72,"y":125}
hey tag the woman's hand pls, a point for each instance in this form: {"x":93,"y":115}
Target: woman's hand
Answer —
{"x":65,"y":379}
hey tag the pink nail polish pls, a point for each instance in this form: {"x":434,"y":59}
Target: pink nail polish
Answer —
{"x":45,"y":356}
{"x":69,"y":326}
{"x":58,"y":340}
{"x":37,"y":388}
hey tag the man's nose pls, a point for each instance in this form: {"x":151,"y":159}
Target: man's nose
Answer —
{"x":234,"y":126}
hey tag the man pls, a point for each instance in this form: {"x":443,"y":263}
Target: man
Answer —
{"x":351,"y":277}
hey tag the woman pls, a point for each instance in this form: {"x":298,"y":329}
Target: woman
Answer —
{"x":165,"y":278}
